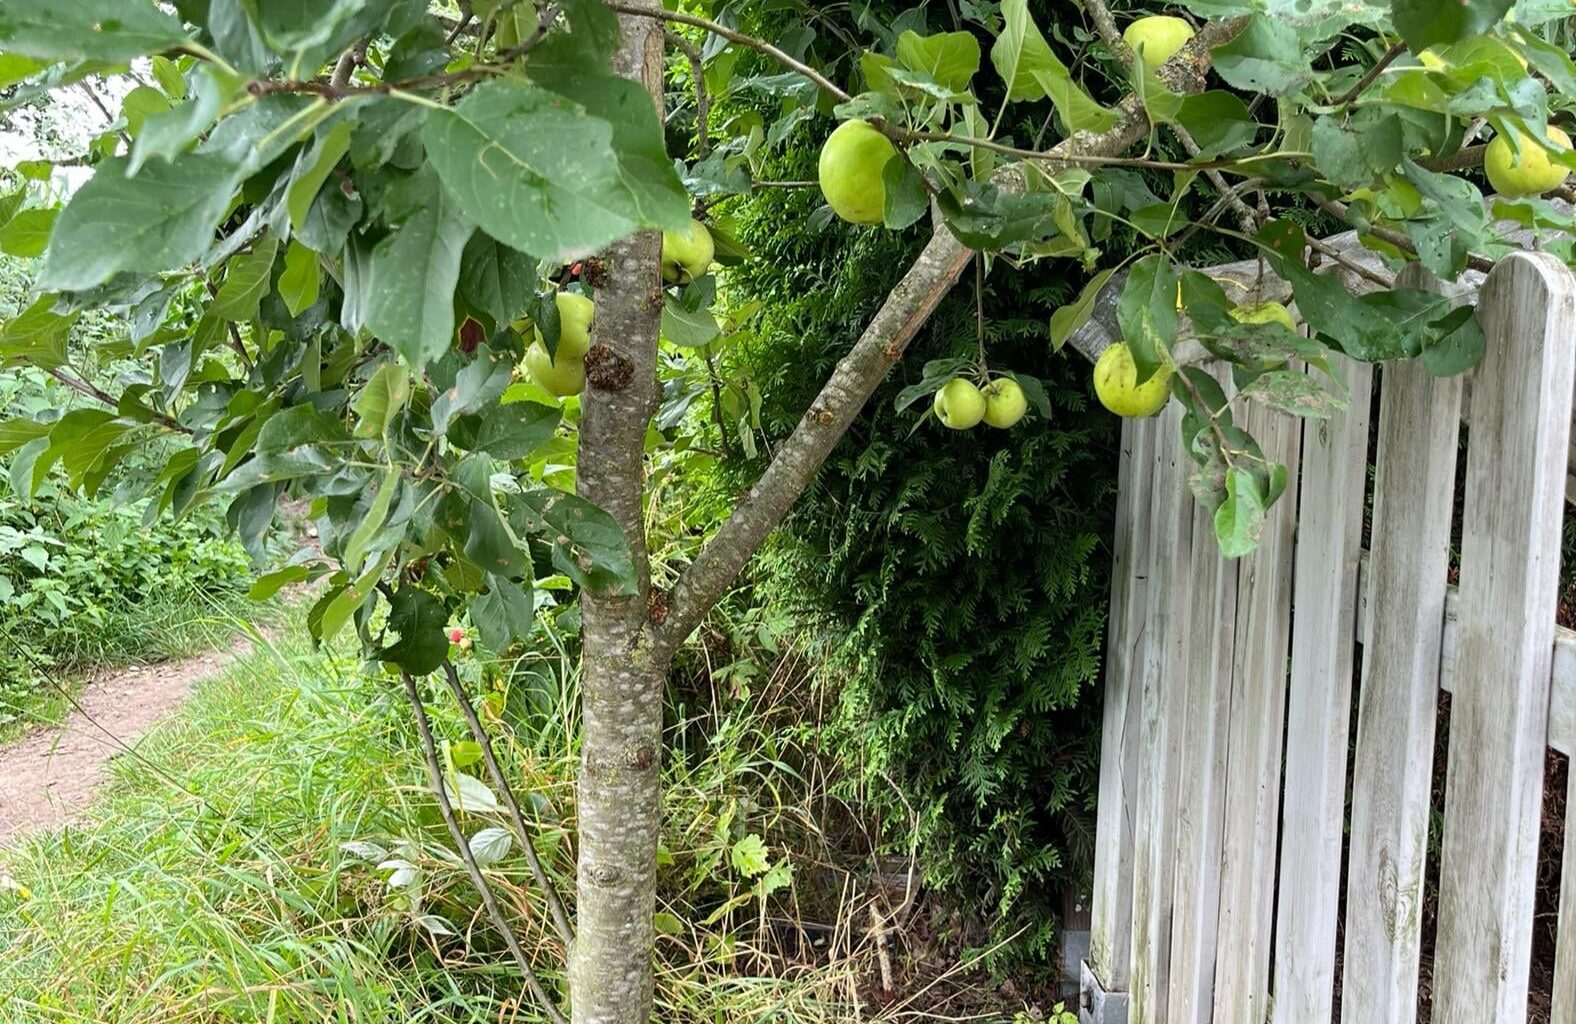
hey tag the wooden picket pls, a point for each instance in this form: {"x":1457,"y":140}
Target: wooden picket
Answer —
{"x":1224,"y":793}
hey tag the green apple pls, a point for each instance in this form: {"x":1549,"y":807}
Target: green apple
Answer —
{"x":1157,"y":38}
{"x":1531,"y":173}
{"x":1116,"y":384}
{"x":686,"y":253}
{"x":1264,"y":313}
{"x":851,"y":164}
{"x":1004,"y":402}
{"x":564,"y":372}
{"x":959,"y":404}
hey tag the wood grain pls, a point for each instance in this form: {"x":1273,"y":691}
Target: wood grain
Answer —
{"x":1515,"y":483}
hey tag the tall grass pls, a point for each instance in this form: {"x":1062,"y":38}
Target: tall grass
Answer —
{"x":238,"y":868}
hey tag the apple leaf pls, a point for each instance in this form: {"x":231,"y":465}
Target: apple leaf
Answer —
{"x":109,"y":30}
{"x":1066,"y":320}
{"x":1425,"y":23}
{"x":1147,"y":313}
{"x":1266,"y":56}
{"x":503,"y":614}
{"x":1239,"y":521}
{"x":410,"y":288}
{"x":418,"y":618}
{"x":533,"y":170}
{"x":161,"y":219}
{"x":950,"y":58}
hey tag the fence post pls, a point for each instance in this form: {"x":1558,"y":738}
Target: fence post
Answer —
{"x":1514,"y":502}
{"x":1201,"y":795}
{"x":1319,"y":703}
{"x":1258,"y":722}
{"x":1111,"y":902}
{"x":1414,"y":483}
{"x":1162,"y":679}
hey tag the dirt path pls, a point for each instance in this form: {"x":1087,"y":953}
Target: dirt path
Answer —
{"x":49,"y":776}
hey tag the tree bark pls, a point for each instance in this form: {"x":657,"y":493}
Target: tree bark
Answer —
{"x":610,"y":970}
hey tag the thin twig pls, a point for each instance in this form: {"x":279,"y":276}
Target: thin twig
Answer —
{"x":234,"y":333}
{"x":543,"y":25}
{"x":702,"y":95}
{"x":716,"y":405}
{"x":733,"y":36}
{"x":1330,"y":251}
{"x":1054,"y":156}
{"x":459,"y":26}
{"x":93,"y":95}
{"x":435,"y":775}
{"x":1395,"y":238}
{"x":1245,"y":215}
{"x":82,"y":387}
{"x":555,"y":905}
{"x":1374,"y":72}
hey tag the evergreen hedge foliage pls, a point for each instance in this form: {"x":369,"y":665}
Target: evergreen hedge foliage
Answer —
{"x":954,"y":585}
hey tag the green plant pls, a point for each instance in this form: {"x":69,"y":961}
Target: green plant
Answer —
{"x":952,"y":585}
{"x":86,"y":584}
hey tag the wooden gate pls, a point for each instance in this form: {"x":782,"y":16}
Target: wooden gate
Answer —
{"x":1226,"y":796}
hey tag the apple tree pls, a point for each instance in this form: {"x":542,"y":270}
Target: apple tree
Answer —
{"x":405,"y":260}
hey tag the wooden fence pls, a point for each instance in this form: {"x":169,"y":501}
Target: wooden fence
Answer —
{"x":1243,"y":866}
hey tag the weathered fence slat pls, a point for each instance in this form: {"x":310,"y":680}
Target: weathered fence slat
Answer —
{"x":1163,"y":706}
{"x":1202,"y":783}
{"x":1564,"y":1001}
{"x":1111,"y":906}
{"x":1419,"y":422}
{"x":1258,"y":708}
{"x":1319,"y":704}
{"x":1520,"y":415}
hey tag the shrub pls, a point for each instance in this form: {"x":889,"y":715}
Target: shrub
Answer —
{"x":86,"y":583}
{"x":954,"y":584}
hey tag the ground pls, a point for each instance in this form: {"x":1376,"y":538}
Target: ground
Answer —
{"x":49,"y":777}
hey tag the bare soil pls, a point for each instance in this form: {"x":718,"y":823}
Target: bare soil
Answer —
{"x":48,"y":777}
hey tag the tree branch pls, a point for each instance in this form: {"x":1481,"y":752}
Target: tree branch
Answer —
{"x":1395,"y":238}
{"x":845,"y":393}
{"x":463,"y":848}
{"x":691,"y":52}
{"x":82,"y":387}
{"x":555,"y":905}
{"x":1105,"y":24}
{"x":733,"y":36}
{"x":352,"y":58}
{"x":1374,"y":72}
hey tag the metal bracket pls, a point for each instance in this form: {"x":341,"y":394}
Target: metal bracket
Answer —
{"x":1095,"y":1004}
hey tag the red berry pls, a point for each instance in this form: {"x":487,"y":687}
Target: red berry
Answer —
{"x":456,"y":635}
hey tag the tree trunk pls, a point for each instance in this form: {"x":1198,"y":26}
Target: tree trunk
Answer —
{"x":610,"y":971}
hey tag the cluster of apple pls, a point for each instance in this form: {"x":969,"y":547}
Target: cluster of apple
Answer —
{"x":960,"y":405}
{"x":686,"y":255}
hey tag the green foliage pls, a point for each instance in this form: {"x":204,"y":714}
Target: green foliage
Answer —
{"x":85,"y":584}
{"x":954,"y":584}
